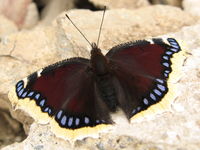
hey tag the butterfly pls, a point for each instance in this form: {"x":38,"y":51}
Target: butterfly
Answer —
{"x":78,"y":94}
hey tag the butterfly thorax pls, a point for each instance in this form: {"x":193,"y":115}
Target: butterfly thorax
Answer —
{"x":98,"y":61}
{"x":103,"y":77}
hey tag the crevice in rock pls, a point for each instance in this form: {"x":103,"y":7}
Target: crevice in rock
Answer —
{"x":85,"y":4}
{"x":40,"y":5}
{"x":11,"y":130}
{"x":177,"y":3}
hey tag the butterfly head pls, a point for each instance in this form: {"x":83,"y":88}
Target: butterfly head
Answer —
{"x":98,"y":61}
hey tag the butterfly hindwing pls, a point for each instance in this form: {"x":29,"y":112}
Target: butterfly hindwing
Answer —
{"x":142,"y":69}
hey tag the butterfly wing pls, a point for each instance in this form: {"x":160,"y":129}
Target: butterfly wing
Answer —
{"x":66,"y":92}
{"x":142,"y":69}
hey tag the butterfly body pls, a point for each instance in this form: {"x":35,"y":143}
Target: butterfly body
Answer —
{"x":102,"y":73}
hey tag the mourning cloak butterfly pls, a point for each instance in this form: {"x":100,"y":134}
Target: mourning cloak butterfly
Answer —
{"x":77,"y":95}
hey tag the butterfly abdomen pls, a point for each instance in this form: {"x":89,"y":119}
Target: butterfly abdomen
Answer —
{"x":107,"y":91}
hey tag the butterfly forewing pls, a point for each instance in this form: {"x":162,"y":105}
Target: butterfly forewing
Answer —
{"x":66,"y":90}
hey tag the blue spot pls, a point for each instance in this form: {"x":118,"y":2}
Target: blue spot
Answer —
{"x":37,"y":96}
{"x":167,"y":71}
{"x":161,"y":87}
{"x":31,"y":94}
{"x":46,"y":109}
{"x":138,"y":108}
{"x":20,"y":83}
{"x":166,"y":57}
{"x":49,"y":111}
{"x":70,"y":121}
{"x":24,"y":94}
{"x":42,"y":102}
{"x":166,"y":64}
{"x":103,"y":121}
{"x":146,"y":102}
{"x":174,"y":49}
{"x":169,"y":53}
{"x":152,"y":96}
{"x":173,"y":43}
{"x":157,"y":92}
{"x":63,"y":120}
{"x":20,"y":92}
{"x":86,"y":120}
{"x":171,"y":40}
{"x":97,"y":121}
{"x":19,"y":88}
{"x":160,"y":80}
{"x":59,"y":114}
{"x":77,"y":121}
{"x":134,"y":111}
{"x":166,"y":75}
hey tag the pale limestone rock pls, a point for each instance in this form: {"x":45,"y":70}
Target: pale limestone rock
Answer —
{"x":173,"y":129}
{"x":122,"y":25}
{"x":54,"y":7}
{"x":129,"y":4}
{"x":32,"y":16}
{"x":192,"y":7}
{"x":6,"y":26}
{"x":15,"y":10}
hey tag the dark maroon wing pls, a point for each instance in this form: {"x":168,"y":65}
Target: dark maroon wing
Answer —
{"x":142,"y":69}
{"x":66,"y":91}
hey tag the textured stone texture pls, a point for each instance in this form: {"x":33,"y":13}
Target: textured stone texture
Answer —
{"x":129,"y":4}
{"x":32,"y":16}
{"x":6,"y":26}
{"x":122,"y":25}
{"x":10,"y":129}
{"x":54,"y":8}
{"x":192,"y":7}
{"x":18,"y":10}
{"x":22,"y":53}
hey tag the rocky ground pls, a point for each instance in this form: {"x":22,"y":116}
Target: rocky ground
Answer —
{"x":34,"y":34}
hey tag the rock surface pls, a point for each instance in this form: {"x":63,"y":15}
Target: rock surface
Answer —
{"x":54,"y":8}
{"x":32,"y":16}
{"x":22,"y":53}
{"x":6,"y":27}
{"x":122,"y":25}
{"x":17,"y":11}
{"x":192,"y":6}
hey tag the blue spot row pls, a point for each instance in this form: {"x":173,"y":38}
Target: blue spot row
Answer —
{"x":47,"y":110}
{"x":174,"y":44}
{"x":69,"y":121}
{"x":160,"y":88}
{"x":20,"y":83}
{"x":23,"y":93}
{"x":155,"y":95}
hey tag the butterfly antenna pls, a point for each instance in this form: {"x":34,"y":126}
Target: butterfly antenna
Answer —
{"x":78,"y":29}
{"x":104,"y":10}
